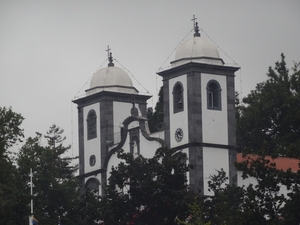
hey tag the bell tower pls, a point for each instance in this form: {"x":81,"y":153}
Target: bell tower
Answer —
{"x":101,"y":112}
{"x":199,"y":110}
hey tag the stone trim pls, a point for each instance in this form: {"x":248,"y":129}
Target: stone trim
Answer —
{"x":193,"y":58}
{"x":196,"y":172}
{"x":93,"y":173}
{"x":198,"y":67}
{"x":231,"y":111}
{"x":111,"y":96}
{"x":124,"y":135}
{"x":203,"y":144}
{"x":112,"y":86}
{"x":194,"y":107}
{"x":167,"y":112}
{"x":231,"y":129}
{"x":81,"y":142}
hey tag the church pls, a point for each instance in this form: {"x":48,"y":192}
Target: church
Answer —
{"x":199,"y":116}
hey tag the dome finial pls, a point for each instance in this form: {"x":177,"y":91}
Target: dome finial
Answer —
{"x":109,"y":56}
{"x":196,"y":28}
{"x":110,"y":59}
{"x":134,"y":111}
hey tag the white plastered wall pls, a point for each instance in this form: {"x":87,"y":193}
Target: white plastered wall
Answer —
{"x":251,"y":180}
{"x":214,"y":159}
{"x":121,"y":112}
{"x":214,"y":122}
{"x":179,"y":119}
{"x":186,"y":151}
{"x":114,"y":161}
{"x":214,"y":131}
{"x":92,"y":146}
{"x":147,"y":148}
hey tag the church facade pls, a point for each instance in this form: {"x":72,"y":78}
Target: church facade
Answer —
{"x":199,"y":116}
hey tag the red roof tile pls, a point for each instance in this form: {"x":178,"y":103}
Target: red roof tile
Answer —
{"x":282,"y":163}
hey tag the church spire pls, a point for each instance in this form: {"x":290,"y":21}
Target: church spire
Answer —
{"x":196,"y":28}
{"x":110,"y":58}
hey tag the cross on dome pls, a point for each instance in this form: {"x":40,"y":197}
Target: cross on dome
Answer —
{"x":196,"y":28}
{"x":194,"y":19}
{"x":109,"y":56}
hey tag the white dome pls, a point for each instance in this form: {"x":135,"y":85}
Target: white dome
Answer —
{"x":111,"y":79}
{"x":197,"y":49}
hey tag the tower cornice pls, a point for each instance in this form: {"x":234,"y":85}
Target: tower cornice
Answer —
{"x":198,"y":67}
{"x":110,"y":96}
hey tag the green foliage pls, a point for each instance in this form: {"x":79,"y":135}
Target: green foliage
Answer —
{"x":148,"y":191}
{"x":156,"y":118}
{"x":56,"y":190}
{"x":11,"y":208}
{"x":196,"y":215}
{"x":224,"y":207}
{"x":55,"y":187}
{"x":291,"y":181}
{"x":84,"y":210}
{"x":54,"y":135}
{"x":268,"y":121}
{"x":261,"y":202}
{"x":10,"y":131}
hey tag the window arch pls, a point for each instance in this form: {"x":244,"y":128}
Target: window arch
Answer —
{"x":92,"y":185}
{"x":178,"y":97}
{"x":213,"y":95}
{"x":91,"y":125}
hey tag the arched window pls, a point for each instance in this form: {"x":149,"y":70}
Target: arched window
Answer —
{"x":91,"y":125}
{"x":178,"y":97}
{"x":93,"y":185}
{"x":213,"y":95}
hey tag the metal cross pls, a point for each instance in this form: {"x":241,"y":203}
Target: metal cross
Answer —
{"x":194,"y":20}
{"x":108,"y":49}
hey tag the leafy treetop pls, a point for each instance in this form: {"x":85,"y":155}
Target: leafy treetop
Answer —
{"x":148,"y":191}
{"x":268,"y":121}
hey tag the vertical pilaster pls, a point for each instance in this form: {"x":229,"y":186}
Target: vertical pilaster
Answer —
{"x":166,"y":112}
{"x":81,"y":142}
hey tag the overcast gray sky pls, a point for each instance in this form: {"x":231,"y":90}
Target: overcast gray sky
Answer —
{"x":50,"y":49}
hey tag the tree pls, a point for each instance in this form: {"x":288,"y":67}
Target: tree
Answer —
{"x":55,"y":186}
{"x":259,"y":203}
{"x":156,"y":118}
{"x":10,"y":134}
{"x":263,"y":199}
{"x":148,"y":191}
{"x":269,"y":119}
{"x":86,"y":209}
{"x":196,"y":215}
{"x":224,"y":206}
{"x":291,"y":180}
{"x":268,"y":123}
{"x":10,"y":131}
